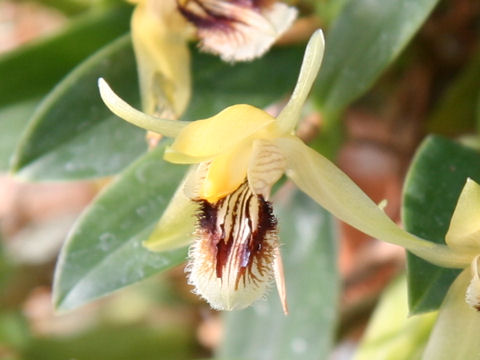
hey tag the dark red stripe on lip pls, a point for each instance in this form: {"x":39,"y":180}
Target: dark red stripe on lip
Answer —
{"x":210,"y":20}
{"x":229,"y":227}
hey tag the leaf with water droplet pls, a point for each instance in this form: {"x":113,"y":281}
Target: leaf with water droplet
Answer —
{"x":73,"y":135}
{"x":103,"y":252}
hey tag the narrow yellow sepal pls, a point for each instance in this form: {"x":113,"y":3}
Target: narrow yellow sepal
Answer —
{"x":337,"y":193}
{"x":288,"y":118}
{"x":119,"y":107}
{"x":464,"y":230}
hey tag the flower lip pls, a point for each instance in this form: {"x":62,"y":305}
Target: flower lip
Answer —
{"x":231,"y":260}
{"x":237,"y":30}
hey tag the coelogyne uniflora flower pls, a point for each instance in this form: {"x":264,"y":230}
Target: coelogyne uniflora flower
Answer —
{"x":236,"y":30}
{"x":237,"y":155}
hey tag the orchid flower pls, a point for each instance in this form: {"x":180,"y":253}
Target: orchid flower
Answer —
{"x":237,"y":30}
{"x":237,"y":155}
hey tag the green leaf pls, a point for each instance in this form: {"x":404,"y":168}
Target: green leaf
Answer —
{"x":459,"y":102}
{"x":73,"y":134}
{"x":122,"y":342}
{"x":103,"y":252}
{"x":36,"y":67}
{"x":13,"y":120}
{"x":391,"y":334}
{"x":327,"y":11}
{"x":33,"y":69}
{"x":67,"y":7}
{"x":74,"y":7}
{"x":434,"y":182}
{"x":365,"y":38}
{"x":217,"y":84}
{"x":262,"y":331}
{"x":14,"y":329}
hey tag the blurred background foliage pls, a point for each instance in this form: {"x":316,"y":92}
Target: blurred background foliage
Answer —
{"x":394,"y":71}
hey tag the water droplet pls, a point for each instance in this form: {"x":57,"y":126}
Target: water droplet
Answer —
{"x":70,"y":166}
{"x":142,"y":211}
{"x":261,"y":308}
{"x":299,"y":345}
{"x":140,"y":273}
{"x":107,"y":240}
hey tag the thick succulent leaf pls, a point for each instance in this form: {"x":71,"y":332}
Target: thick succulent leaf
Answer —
{"x":73,"y":134}
{"x":391,"y":333}
{"x":365,"y":38}
{"x":455,"y":335}
{"x":33,"y":69}
{"x":434,"y":182}
{"x":308,"y":236}
{"x":104,"y":252}
{"x":13,"y":120}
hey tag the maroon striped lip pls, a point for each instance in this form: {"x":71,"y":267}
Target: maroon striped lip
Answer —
{"x":238,"y":228}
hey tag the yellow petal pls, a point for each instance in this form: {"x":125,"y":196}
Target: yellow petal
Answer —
{"x":226,"y":173}
{"x":455,"y":334}
{"x":288,"y":118}
{"x":177,"y":224}
{"x":159,"y":35}
{"x":336,"y":192}
{"x":204,"y":139}
{"x":464,"y":230}
{"x":120,"y":108}
{"x":266,"y":166}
